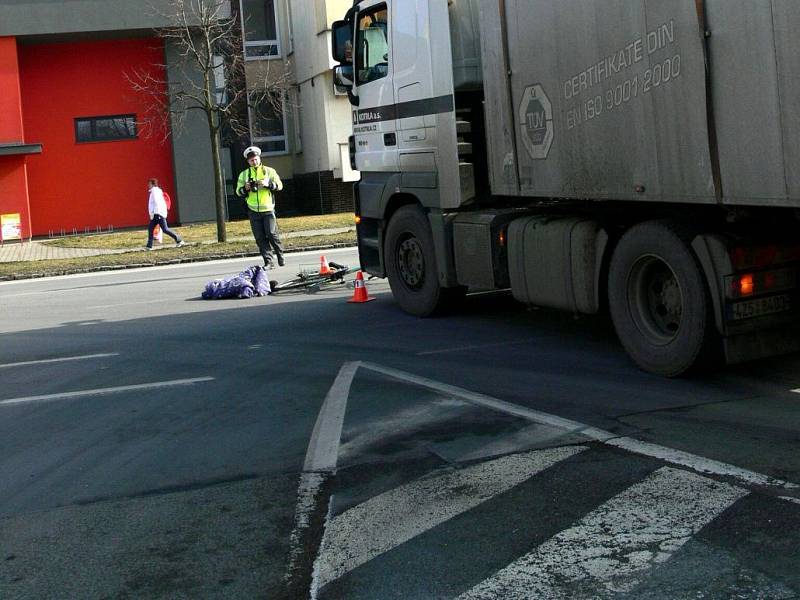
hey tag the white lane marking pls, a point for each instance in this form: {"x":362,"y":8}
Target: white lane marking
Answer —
{"x":698,"y":463}
{"x":493,"y":403}
{"x":23,"y":294}
{"x":103,"y":391}
{"x":790,"y":499}
{"x":797,"y":391}
{"x":320,"y":462}
{"x":383,"y":522}
{"x":308,"y":495}
{"x":617,"y":542}
{"x":55,"y":360}
{"x":323,"y":449}
{"x":474,"y":347}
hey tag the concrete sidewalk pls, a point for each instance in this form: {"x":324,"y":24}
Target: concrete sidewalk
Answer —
{"x":38,"y":250}
{"x":35,"y":250}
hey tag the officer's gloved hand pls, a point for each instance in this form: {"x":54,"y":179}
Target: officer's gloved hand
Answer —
{"x":271,"y":186}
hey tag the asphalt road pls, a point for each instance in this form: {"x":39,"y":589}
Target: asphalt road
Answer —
{"x":153,"y":445}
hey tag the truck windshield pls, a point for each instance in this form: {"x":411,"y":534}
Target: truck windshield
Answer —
{"x":372,"y":45}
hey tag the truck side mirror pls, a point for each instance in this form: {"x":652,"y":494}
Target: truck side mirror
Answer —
{"x":343,"y":76}
{"x":342,"y":42}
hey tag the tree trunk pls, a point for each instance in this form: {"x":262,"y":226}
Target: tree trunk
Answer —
{"x":219,"y":177}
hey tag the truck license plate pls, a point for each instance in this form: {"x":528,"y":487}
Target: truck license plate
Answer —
{"x":761,"y":306}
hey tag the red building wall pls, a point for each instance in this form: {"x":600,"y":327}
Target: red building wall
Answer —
{"x":79,"y":185}
{"x":13,"y":181}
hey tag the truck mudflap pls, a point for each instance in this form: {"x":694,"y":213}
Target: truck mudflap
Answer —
{"x":755,"y":289}
{"x":370,"y":244}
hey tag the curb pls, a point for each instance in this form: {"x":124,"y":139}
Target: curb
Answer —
{"x":174,"y":261}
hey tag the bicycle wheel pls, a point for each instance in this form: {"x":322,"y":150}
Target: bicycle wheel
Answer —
{"x":292,"y":284}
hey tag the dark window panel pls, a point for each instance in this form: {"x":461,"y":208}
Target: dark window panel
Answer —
{"x":104,"y":129}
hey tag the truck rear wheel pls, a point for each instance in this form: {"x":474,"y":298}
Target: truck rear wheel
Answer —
{"x":658,"y":299}
{"x":411,"y":263}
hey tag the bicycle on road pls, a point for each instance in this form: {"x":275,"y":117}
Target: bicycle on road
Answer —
{"x":310,"y":280}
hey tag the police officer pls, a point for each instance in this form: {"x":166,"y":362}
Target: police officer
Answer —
{"x":256,"y":184}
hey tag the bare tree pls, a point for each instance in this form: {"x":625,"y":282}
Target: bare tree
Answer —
{"x":209,"y":77}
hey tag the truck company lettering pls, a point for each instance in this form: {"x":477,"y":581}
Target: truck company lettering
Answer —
{"x":365,"y":128}
{"x":620,"y":60}
{"x":368,"y":116}
{"x":606,"y":99}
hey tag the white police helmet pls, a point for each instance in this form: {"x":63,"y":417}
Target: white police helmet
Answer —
{"x":252,"y":150}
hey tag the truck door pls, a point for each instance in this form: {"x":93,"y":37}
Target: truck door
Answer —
{"x":422,"y":73}
{"x":374,"y":125}
{"x":412,"y":76}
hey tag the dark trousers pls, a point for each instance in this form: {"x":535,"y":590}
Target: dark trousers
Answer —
{"x":159,"y":220}
{"x":265,"y":230}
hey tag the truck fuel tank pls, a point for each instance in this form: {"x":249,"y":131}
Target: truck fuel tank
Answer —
{"x":555,"y":261}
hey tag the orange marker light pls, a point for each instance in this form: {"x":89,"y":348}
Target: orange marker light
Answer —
{"x":746,"y":286}
{"x":357,"y":219}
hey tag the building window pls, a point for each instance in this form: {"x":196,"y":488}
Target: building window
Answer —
{"x":268,"y":124}
{"x":105,"y":129}
{"x":259,"y":24}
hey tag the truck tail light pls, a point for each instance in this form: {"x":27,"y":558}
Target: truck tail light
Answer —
{"x":763,"y":282}
{"x":745,"y":285}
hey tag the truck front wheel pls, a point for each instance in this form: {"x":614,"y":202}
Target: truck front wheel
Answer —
{"x":658,"y":299}
{"x":411,"y":263}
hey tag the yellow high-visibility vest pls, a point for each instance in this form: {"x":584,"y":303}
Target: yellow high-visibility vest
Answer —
{"x":260,"y":200}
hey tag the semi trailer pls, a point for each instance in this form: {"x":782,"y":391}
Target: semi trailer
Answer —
{"x":633,"y":157}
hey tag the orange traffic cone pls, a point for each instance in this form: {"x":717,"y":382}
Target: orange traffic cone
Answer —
{"x":324,"y":269}
{"x":360,"y":291}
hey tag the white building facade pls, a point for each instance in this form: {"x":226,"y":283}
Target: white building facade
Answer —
{"x":290,"y":40}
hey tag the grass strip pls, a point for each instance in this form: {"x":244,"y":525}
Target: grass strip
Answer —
{"x":165,"y":256}
{"x":200,"y":232}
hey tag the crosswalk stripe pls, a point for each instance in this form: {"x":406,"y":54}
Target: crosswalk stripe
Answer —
{"x":396,"y":516}
{"x":617,"y":542}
